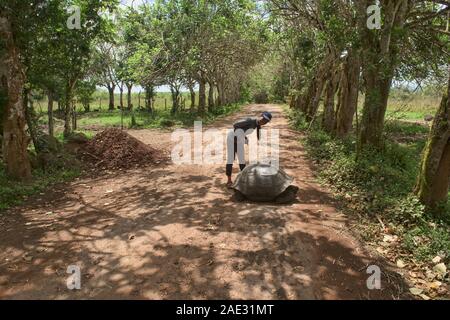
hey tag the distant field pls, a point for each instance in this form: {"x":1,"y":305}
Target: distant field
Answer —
{"x":412,"y":107}
{"x":100,"y":101}
{"x":101,"y":117}
{"x":401,"y":106}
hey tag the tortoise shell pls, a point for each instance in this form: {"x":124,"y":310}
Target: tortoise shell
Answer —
{"x":262,"y":182}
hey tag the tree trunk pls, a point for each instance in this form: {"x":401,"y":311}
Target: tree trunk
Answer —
{"x":309,"y":103}
{"x":12,"y":76}
{"x":379,"y":57}
{"x":51,"y":124}
{"x":211,"y":97}
{"x":148,"y":98}
{"x":225,"y":94}
{"x":220,"y":99}
{"x":202,"y":96}
{"x":68,"y":111}
{"x":121,"y":96}
{"x":192,"y":92}
{"x":129,"y":96}
{"x":304,"y":101}
{"x":111,"y":97}
{"x":312,"y":100}
{"x":330,"y":92}
{"x":139,"y":100}
{"x":374,"y":109}
{"x":30,"y":118}
{"x":348,"y":94}
{"x":74,"y":115}
{"x":175,"y":99}
{"x":87,"y":107}
{"x":434,"y":178}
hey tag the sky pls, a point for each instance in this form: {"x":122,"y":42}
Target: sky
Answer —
{"x":134,"y":3}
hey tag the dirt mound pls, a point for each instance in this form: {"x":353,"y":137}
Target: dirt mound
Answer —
{"x":116,"y":149}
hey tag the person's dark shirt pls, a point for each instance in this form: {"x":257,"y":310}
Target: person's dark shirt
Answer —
{"x":248,"y":124}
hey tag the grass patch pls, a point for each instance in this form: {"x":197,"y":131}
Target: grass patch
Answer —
{"x":408,"y":128}
{"x":60,"y":135}
{"x":406,"y":115}
{"x":13,"y":193}
{"x":87,"y":122}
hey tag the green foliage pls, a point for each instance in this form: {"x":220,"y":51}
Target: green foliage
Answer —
{"x":427,"y":240}
{"x":269,"y":81}
{"x":408,"y":211}
{"x":380,"y":183}
{"x":297,"y":120}
{"x":393,"y":128}
{"x":381,"y":177}
{"x":84,"y":91}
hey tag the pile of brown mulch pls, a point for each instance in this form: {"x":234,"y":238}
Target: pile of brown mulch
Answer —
{"x":116,"y":149}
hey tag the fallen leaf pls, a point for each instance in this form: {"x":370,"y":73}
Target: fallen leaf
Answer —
{"x":441,"y":269}
{"x":416,"y":291}
{"x":436,"y":259}
{"x":389,"y":238}
{"x":400,"y":264}
{"x":435,"y":284}
{"x":381,"y":250}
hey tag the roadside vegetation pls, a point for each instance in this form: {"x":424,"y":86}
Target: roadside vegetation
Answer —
{"x":377,"y":192}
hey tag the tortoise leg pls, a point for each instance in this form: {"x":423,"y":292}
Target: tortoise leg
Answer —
{"x":288,"y":196}
{"x":239,"y":196}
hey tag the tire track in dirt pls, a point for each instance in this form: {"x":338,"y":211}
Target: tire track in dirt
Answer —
{"x":173,"y":232}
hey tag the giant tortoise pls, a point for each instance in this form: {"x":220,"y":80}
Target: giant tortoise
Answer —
{"x":264,"y":183}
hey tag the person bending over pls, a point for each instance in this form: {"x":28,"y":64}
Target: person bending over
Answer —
{"x":238,"y":137}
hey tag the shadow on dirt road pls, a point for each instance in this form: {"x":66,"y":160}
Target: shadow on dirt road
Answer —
{"x":172,"y":232}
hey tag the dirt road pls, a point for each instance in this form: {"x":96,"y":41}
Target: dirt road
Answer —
{"x":172,"y":232}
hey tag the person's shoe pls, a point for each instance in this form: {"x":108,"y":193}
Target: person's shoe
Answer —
{"x":230,"y":185}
